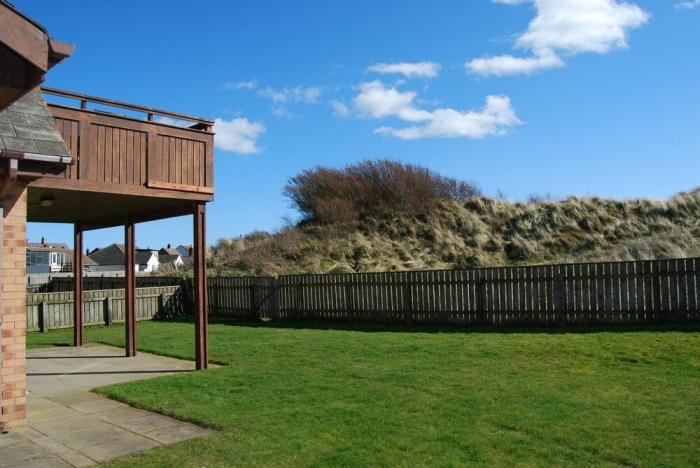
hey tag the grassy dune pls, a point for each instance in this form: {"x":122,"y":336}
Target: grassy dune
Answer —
{"x":477,"y":232}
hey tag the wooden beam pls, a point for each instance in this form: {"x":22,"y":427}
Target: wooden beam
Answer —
{"x":140,"y":217}
{"x":200,"y":287}
{"x":130,"y":288}
{"x":24,"y":37}
{"x":77,"y":285}
{"x":157,"y":184}
{"x":119,"y":189}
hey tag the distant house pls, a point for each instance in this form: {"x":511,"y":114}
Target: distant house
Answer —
{"x":47,"y":257}
{"x":113,"y":258}
{"x":170,"y":256}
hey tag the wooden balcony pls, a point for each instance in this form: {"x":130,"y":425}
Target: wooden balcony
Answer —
{"x":125,"y":152}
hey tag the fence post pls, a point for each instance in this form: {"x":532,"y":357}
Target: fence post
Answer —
{"x":349,"y":300}
{"x":108,"y":311}
{"x":43,"y":319}
{"x":297,"y":302}
{"x":559,"y":305}
{"x":275,"y":285}
{"x":213,"y":285}
{"x":161,"y":304}
{"x":407,"y":303}
{"x":480,"y":292}
{"x":253,"y":300}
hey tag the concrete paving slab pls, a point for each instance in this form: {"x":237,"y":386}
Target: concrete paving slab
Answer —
{"x":20,"y":454}
{"x":118,"y":447}
{"x":70,"y":426}
{"x":56,"y":448}
{"x":50,"y":461}
{"x":148,"y":423}
{"x":182,"y":432}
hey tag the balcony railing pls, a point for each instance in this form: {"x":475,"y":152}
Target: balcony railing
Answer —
{"x":144,"y":147}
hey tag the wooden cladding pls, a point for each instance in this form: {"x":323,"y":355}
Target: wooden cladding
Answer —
{"x":70,"y":131}
{"x":120,"y":151}
{"x":118,"y":155}
{"x":182,"y":161}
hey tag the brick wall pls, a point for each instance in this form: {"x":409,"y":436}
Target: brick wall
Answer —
{"x":13,"y":367}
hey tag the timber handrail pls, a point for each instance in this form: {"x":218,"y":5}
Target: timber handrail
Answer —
{"x":149,"y":111}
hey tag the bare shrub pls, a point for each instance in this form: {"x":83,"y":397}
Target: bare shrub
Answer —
{"x":369,"y":188}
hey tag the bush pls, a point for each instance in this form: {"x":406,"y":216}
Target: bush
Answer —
{"x":370,"y":188}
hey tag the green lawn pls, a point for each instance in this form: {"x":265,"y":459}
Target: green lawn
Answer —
{"x":313,"y":396}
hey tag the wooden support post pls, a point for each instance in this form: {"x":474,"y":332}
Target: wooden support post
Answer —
{"x":77,"y":285}
{"x":200,"y":287}
{"x":130,"y":288}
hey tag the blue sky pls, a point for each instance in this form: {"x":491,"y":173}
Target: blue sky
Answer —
{"x":566,"y":97}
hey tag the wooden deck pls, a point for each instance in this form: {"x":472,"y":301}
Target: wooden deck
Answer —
{"x":132,"y":156}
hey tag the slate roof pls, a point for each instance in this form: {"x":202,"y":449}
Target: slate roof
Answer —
{"x":46,"y":247}
{"x":143,"y":256}
{"x":114,"y":254}
{"x":27,"y":126}
{"x":111,"y":255}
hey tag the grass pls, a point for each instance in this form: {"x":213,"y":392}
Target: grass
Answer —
{"x":373,"y":396}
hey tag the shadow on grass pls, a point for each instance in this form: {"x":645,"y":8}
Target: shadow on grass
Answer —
{"x":443,"y":328}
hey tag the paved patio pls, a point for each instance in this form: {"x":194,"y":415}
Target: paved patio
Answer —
{"x":70,"y":426}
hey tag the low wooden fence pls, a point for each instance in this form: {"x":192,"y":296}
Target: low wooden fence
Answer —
{"x":659,"y":291}
{"x":91,"y":282}
{"x":46,"y":311}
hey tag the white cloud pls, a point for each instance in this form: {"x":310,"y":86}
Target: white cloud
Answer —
{"x":309,"y":94}
{"x":379,"y":101}
{"x":340,"y":109}
{"x":237,"y":85}
{"x":688,"y":5}
{"x":239,"y":135}
{"x":565,"y":27}
{"x":409,"y":70}
{"x":508,"y":65}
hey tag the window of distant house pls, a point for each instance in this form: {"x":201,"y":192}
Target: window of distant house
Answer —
{"x":38,"y":258}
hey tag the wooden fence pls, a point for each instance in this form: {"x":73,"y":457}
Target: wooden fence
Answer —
{"x":659,"y":291}
{"x":242,"y":297}
{"x":65,"y":283}
{"x":46,"y":311}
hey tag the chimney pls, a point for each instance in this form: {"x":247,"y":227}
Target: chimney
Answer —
{"x":43,"y":240}
{"x":87,"y":251}
{"x":190,"y":250}
{"x":168,"y":246}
